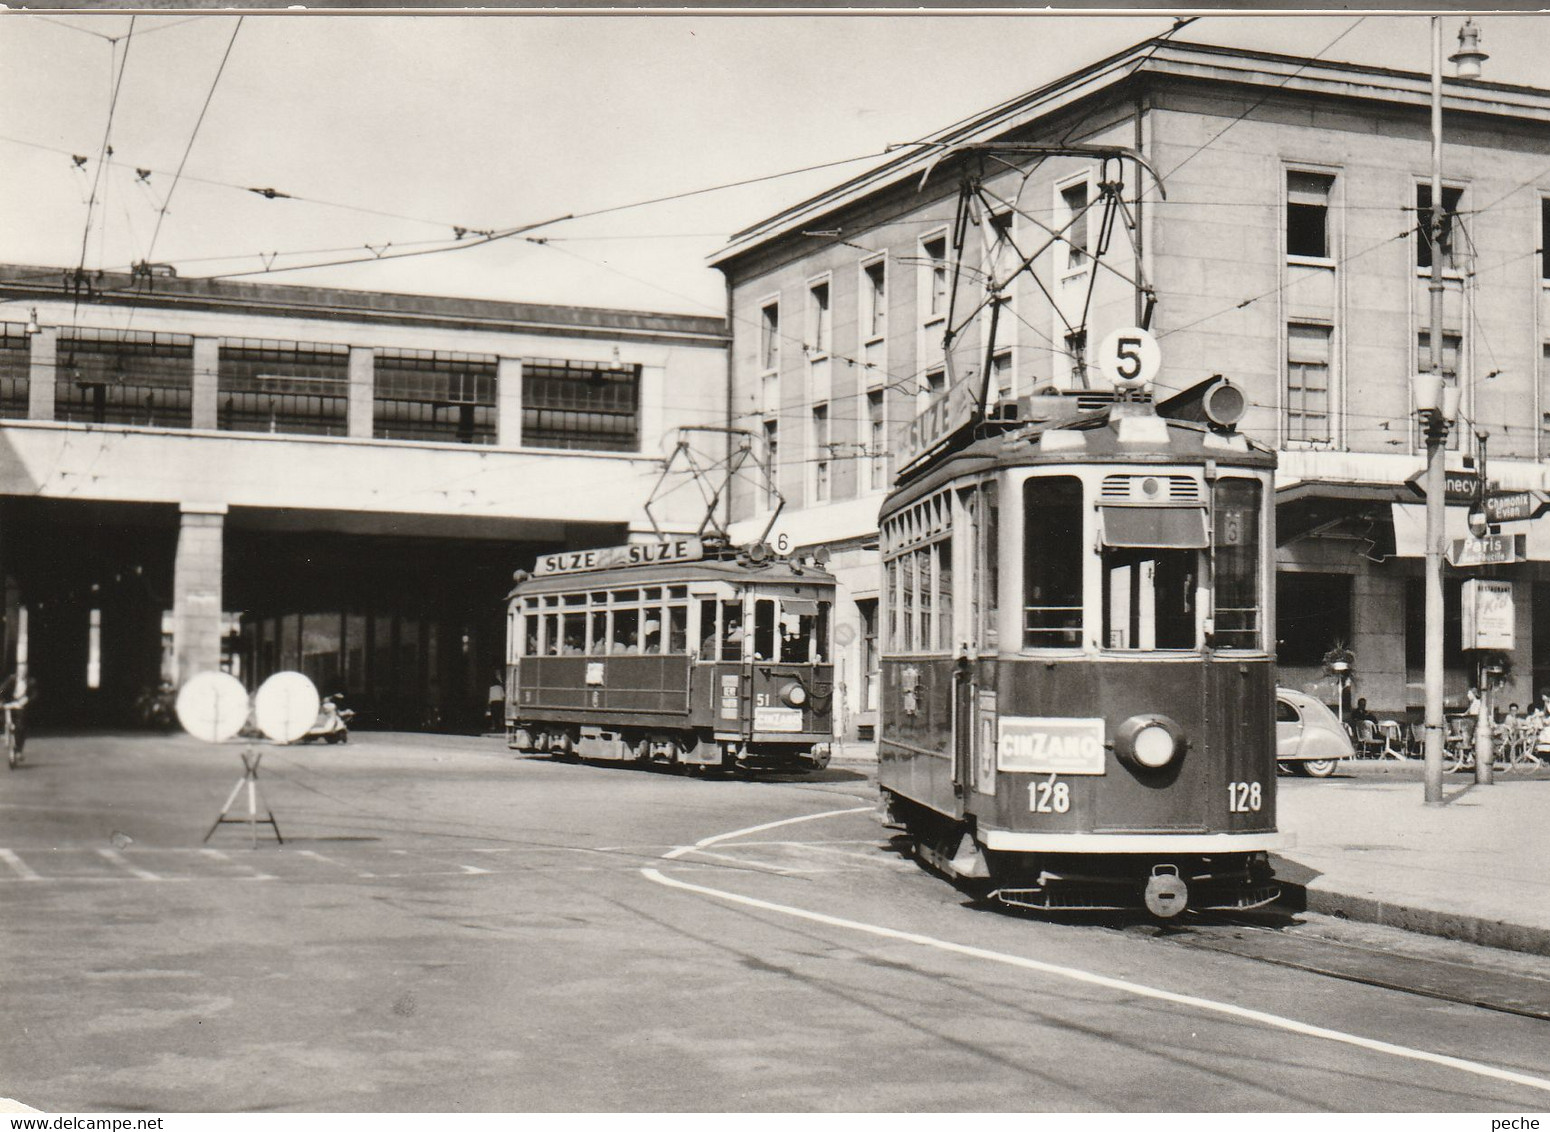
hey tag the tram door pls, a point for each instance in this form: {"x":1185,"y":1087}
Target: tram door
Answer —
{"x":974,"y":613}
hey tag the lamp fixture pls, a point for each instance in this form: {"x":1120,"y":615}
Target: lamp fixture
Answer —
{"x":1468,"y":57}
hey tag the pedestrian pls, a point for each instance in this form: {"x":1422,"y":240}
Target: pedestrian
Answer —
{"x":497,"y":702}
{"x":15,"y":691}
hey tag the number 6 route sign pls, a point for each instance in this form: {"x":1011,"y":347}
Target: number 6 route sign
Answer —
{"x":1129,"y":357}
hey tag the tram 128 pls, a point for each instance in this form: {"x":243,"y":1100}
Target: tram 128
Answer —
{"x":1078,"y":681}
{"x":684,"y":652}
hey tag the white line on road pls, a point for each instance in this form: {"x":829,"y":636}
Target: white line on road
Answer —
{"x":217,"y":855}
{"x":1275,"y":1021}
{"x":18,"y":866}
{"x":126,"y":864}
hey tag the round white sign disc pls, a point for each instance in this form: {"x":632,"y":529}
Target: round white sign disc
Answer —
{"x":213,"y":706}
{"x":286,"y":706}
{"x":1129,"y":357}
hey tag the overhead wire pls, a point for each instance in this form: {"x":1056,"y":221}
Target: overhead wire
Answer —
{"x":192,"y":137}
{"x":107,"y":135}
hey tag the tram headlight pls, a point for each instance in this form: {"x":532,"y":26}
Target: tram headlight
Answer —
{"x":1149,"y":742}
{"x":794,"y":694}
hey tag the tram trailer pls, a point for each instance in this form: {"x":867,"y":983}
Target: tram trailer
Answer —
{"x":698,"y":657}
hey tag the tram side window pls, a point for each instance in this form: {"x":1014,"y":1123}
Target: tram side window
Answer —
{"x":651,"y":631}
{"x":597,"y":640}
{"x":1236,"y":576}
{"x":530,"y":628}
{"x":944,"y":594}
{"x":709,"y":641}
{"x":1052,"y":562}
{"x":732,"y":631}
{"x":678,"y":629}
{"x":552,"y":633}
{"x":626,"y":631}
{"x":991,"y":540}
{"x":764,"y":629}
{"x":575,"y":633}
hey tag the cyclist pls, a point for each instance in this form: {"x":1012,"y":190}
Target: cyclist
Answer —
{"x":15,"y":691}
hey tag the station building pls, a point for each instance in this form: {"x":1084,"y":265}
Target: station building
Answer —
{"x":200,"y":475}
{"x":1281,"y":244}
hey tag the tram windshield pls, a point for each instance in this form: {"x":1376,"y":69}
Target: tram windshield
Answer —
{"x":1159,"y":564}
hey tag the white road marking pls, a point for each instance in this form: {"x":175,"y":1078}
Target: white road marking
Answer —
{"x":117,"y":858}
{"x":1076,"y":974}
{"x":18,"y":866}
{"x":217,"y":855}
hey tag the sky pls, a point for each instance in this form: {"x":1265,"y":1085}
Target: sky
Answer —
{"x":389,"y":131}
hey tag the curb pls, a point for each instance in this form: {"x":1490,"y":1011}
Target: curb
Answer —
{"x":1424,"y":921}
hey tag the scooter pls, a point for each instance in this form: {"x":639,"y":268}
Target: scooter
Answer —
{"x":332,"y":722}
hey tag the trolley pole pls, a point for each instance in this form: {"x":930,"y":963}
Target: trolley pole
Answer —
{"x":1436,"y":440}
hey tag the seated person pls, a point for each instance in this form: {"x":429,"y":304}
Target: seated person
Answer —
{"x":1360,"y":715}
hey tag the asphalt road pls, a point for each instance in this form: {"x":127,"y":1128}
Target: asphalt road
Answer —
{"x":450,"y":928}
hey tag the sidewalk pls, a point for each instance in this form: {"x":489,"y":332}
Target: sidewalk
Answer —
{"x":1476,"y":868}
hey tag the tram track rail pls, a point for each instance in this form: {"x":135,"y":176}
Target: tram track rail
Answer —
{"x":1490,"y":984}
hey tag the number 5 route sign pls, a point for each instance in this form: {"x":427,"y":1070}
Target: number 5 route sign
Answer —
{"x":1129,"y":357}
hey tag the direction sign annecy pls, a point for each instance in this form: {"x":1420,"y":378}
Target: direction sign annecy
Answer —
{"x":1461,"y":487}
{"x":1506,"y":506}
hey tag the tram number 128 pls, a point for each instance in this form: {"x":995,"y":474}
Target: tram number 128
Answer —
{"x":1244,"y":797}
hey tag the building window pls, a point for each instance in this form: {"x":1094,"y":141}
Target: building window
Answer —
{"x":819,"y":319}
{"x":1307,"y":383}
{"x":1002,"y":260}
{"x":284,"y":387}
{"x":1423,"y":211}
{"x":874,"y":300}
{"x":1452,"y":345}
{"x":1076,"y":355}
{"x":1074,"y":220}
{"x":1001,"y":383}
{"x":434,"y":395}
{"x":1313,"y":615}
{"x":15,"y":369}
{"x":877,"y":440}
{"x":129,"y":377}
{"x":771,"y":464}
{"x":1307,"y":214}
{"x":769,"y":338}
{"x":583,"y":405}
{"x":1544,"y":238}
{"x":821,"y":453}
{"x":935,"y":383}
{"x":934,"y":252}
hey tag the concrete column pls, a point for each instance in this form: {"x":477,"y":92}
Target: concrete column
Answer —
{"x":44,"y":366}
{"x":653,"y":413}
{"x":207,"y":362}
{"x":196,"y":591}
{"x":362,"y":385}
{"x":508,"y":403}
{"x":1378,"y":639}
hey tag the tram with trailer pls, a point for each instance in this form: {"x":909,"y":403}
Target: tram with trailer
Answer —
{"x":1078,"y":683}
{"x":686,"y":653}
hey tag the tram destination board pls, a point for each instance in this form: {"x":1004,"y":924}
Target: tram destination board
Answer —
{"x":607,"y":557}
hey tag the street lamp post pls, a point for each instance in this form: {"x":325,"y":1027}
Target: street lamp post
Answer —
{"x":1438,"y":405}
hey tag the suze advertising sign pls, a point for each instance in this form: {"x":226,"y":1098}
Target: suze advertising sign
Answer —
{"x":636,"y":554}
{"x":1042,"y":745}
